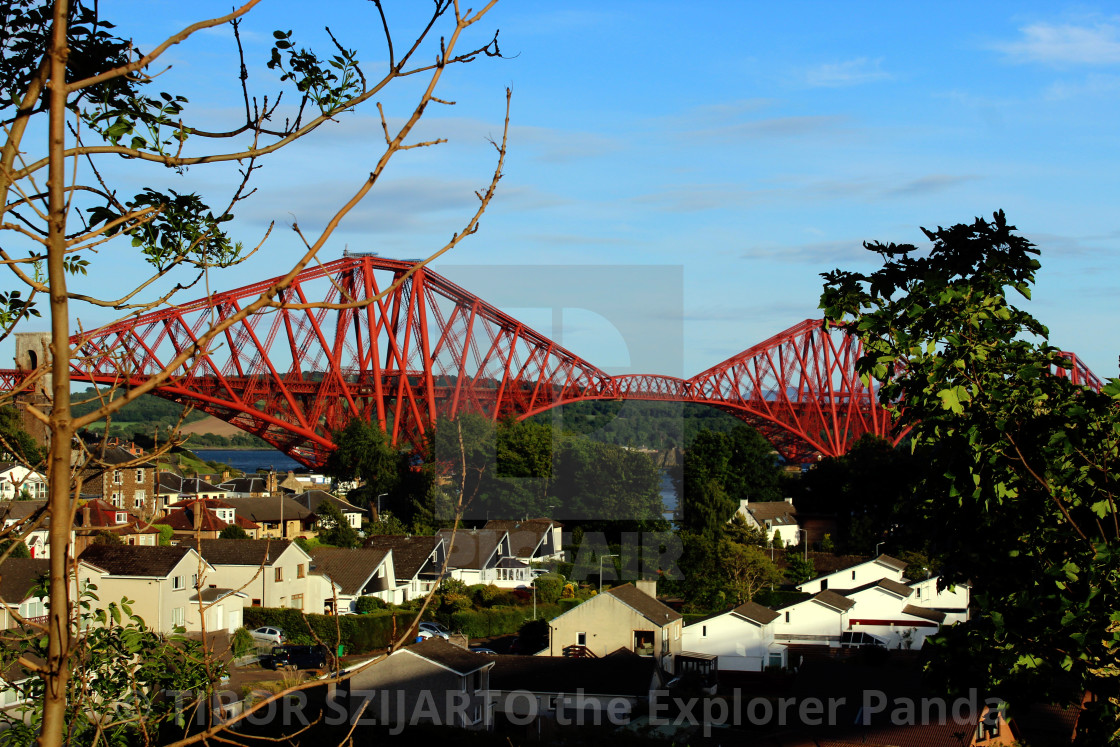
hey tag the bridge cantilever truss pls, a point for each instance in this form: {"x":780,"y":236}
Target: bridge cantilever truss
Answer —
{"x":428,"y":348}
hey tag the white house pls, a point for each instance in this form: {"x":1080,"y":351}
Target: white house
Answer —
{"x":33,"y":527}
{"x":741,"y":638}
{"x":952,"y":600}
{"x":270,"y":572}
{"x":15,"y":480}
{"x":313,"y":499}
{"x":857,"y":575}
{"x":773,"y":517}
{"x":417,"y":561}
{"x":531,"y":540}
{"x":884,"y":609}
{"x":821,"y":619}
{"x":356,"y":572}
{"x":166,"y":585}
{"x":483,"y":556}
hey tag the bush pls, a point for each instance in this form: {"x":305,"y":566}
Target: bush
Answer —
{"x":233,"y":532}
{"x":242,"y":642}
{"x":367,"y":604}
{"x":498,"y":620}
{"x":549,"y":588}
{"x":165,"y":533}
{"x":488,"y":595}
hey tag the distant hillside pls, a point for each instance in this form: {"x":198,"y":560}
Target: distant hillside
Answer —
{"x":150,"y":416}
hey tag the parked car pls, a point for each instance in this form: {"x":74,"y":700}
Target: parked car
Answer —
{"x":483,"y":650}
{"x":433,"y":629}
{"x":268,"y":634}
{"x":298,"y":657}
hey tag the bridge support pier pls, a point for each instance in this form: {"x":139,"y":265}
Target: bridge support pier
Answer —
{"x":33,"y":350}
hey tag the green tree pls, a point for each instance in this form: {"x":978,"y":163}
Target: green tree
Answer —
{"x":233,"y":532}
{"x":334,"y":529}
{"x":16,"y":444}
{"x":747,"y":570}
{"x":363,"y":452}
{"x":1019,"y":493}
{"x":720,"y":470}
{"x":799,"y":569}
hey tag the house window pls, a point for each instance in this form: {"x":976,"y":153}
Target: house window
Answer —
{"x":279,"y":574}
{"x":299,"y":571}
{"x":787,"y":617}
{"x":118,"y":478}
{"x":194,"y":580}
{"x":121,"y":517}
{"x":138,"y":502}
{"x":581,"y":639}
{"x":256,"y":603}
{"x":178,"y":617}
{"x":775,"y":660}
{"x":297,"y":601}
{"x":176,"y":582}
{"x":703,"y":631}
{"x":853,"y":575}
{"x":139,"y":475}
{"x":118,"y":499}
{"x":988,"y":728}
{"x":824,"y":584}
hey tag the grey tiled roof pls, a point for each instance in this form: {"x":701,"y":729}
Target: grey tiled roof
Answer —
{"x":834,"y":600}
{"x":459,"y":660}
{"x":135,"y":560}
{"x":19,"y":575}
{"x":755,"y":613}
{"x":410,"y":554}
{"x":647,"y":606}
{"x":238,"y":551}
{"x":350,"y":568}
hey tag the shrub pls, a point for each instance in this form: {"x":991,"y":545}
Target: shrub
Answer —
{"x":488,"y":595}
{"x":498,"y":620}
{"x":165,"y":533}
{"x":549,"y":588}
{"x":233,"y":532}
{"x":367,"y":604}
{"x":242,"y":642}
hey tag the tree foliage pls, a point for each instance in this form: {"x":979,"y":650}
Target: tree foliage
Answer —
{"x":233,"y":532}
{"x":334,"y":529}
{"x":124,"y":665}
{"x":16,"y":444}
{"x":1019,"y":493}
{"x":720,"y":470}
{"x":93,"y":153}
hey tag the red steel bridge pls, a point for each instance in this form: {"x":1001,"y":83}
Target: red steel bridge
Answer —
{"x":430,"y":348}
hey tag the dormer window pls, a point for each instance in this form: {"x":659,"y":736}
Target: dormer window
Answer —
{"x":122,"y":517}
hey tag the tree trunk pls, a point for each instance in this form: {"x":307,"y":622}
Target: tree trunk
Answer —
{"x":58,"y":470}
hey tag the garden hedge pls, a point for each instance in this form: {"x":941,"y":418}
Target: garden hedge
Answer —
{"x":360,"y":633}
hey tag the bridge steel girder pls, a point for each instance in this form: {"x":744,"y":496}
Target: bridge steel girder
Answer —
{"x":403,"y":346}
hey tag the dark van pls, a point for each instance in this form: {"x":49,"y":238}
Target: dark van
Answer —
{"x":298,"y":657}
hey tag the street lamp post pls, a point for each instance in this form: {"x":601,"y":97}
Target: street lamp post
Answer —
{"x":877,"y":545}
{"x":601,"y":559}
{"x":379,"y":497}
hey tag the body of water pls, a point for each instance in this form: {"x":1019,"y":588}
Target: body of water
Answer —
{"x":668,"y":498}
{"x":250,"y":460}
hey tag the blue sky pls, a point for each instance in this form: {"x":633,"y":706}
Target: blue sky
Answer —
{"x":747,"y":147}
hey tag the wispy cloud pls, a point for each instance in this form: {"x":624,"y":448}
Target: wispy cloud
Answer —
{"x":1066,"y":44}
{"x":774,"y":127}
{"x":693,"y":198}
{"x":929,"y":184}
{"x":818,"y":253}
{"x":848,"y":73}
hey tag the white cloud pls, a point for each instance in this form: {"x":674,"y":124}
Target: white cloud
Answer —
{"x":1064,"y":44}
{"x":847,"y":73}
